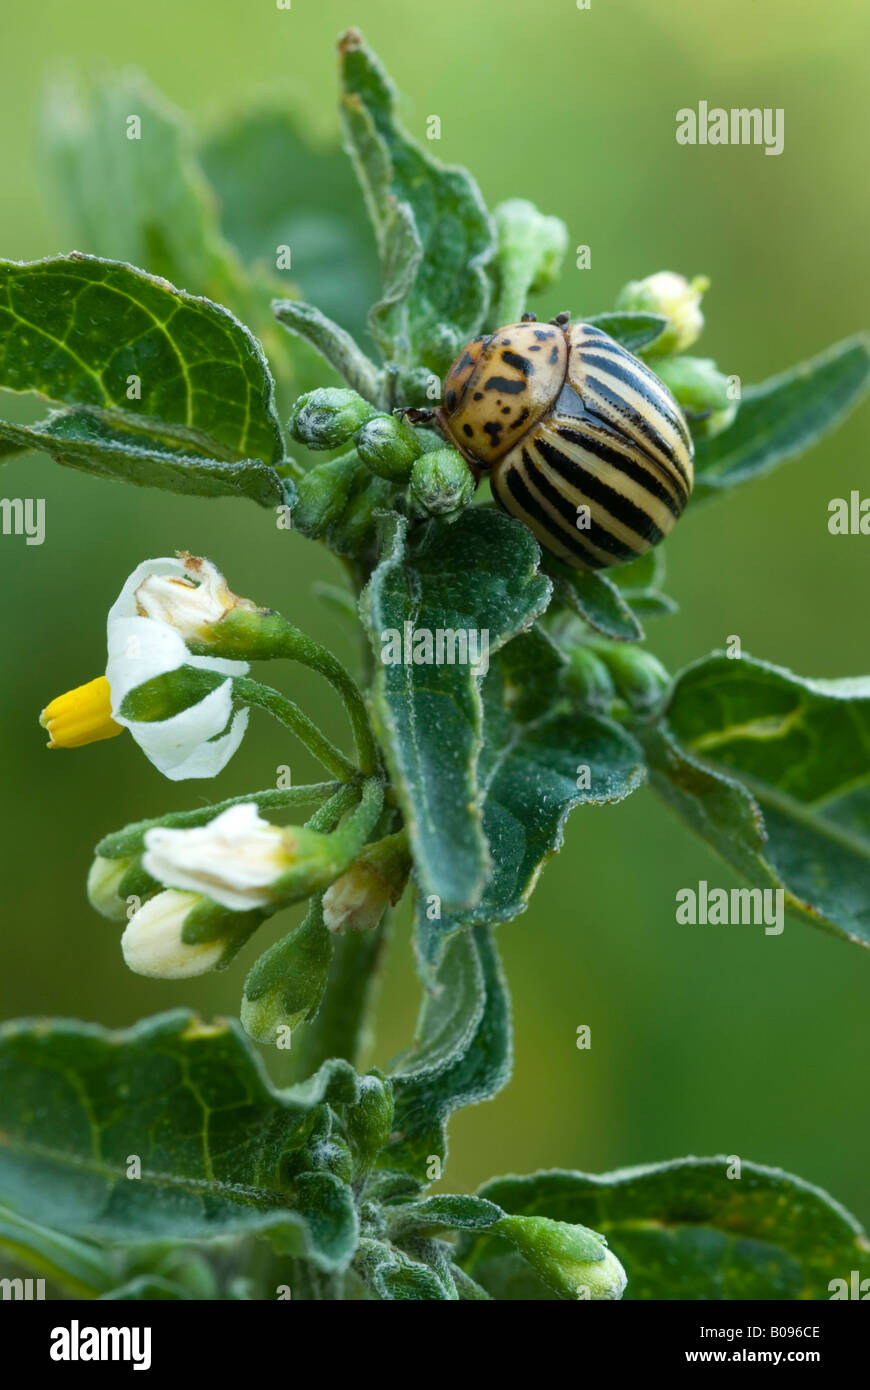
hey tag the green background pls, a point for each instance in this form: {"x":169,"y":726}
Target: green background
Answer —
{"x":704,"y":1039}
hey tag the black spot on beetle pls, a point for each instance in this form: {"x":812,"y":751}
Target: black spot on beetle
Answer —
{"x":535,"y":347}
{"x":493,"y":429}
{"x":554,"y":354}
{"x":467,"y":430}
{"x":466,"y":360}
{"x":478,"y":395}
{"x":450,"y":399}
{"x":544,"y":334}
{"x":523,"y":415}
{"x":505,"y":410}
{"x":522,"y":364}
{"x":503,"y":383}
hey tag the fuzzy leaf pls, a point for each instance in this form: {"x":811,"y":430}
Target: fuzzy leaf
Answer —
{"x":783,"y":790}
{"x":634,"y":331}
{"x":533,"y":752}
{"x":784,"y":416}
{"x":433,"y":230}
{"x":99,"y":442}
{"x":310,"y":203}
{"x":75,"y":329}
{"x":462,"y":1056}
{"x":597,"y":600}
{"x":192,"y":1101}
{"x":477,"y":573}
{"x":685,"y":1230}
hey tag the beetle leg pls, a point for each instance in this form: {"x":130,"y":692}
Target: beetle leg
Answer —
{"x":416,"y":416}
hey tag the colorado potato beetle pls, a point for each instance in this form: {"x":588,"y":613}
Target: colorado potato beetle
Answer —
{"x":580,"y":439}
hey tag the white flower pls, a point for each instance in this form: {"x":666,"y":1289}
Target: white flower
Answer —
{"x":152,"y":943}
{"x":191,"y":601}
{"x":234,"y":859}
{"x":144,"y":639}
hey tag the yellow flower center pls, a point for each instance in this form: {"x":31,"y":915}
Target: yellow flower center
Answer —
{"x":81,"y":716}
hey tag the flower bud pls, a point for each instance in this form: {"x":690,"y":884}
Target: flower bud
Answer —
{"x":388,"y":446}
{"x":176,"y":935}
{"x":441,"y":482}
{"x":702,"y":390}
{"x":369,"y":1123}
{"x":239,"y":859}
{"x":192,"y":602}
{"x":104,"y":885}
{"x":530,"y":244}
{"x":328,"y":417}
{"x":587,"y":677}
{"x":358,"y":899}
{"x":285,"y":986}
{"x":572,"y":1260}
{"x":677,"y":299}
{"x":640,"y":678}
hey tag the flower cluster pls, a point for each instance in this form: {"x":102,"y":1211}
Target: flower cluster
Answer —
{"x":193,"y":887}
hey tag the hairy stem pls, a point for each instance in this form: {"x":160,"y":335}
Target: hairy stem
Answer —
{"x":340,"y":1024}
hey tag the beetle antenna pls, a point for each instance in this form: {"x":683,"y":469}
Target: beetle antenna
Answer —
{"x":561,"y":319}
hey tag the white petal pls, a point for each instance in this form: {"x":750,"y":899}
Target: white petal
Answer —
{"x":193,"y":743}
{"x":234,"y":859}
{"x":125,"y":604}
{"x":152,"y":943}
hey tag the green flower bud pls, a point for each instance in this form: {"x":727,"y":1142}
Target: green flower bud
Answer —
{"x":702,"y":390}
{"x":369,"y":1123}
{"x":640,"y":678}
{"x":388,"y":446}
{"x":354,"y":532}
{"x":677,"y":299}
{"x":572,"y":1260}
{"x":328,"y":417}
{"x":323,"y":494}
{"x":531,"y":245}
{"x":104,"y":880}
{"x":587,"y":677}
{"x":329,"y":1154}
{"x":286,"y":984}
{"x":441,"y":482}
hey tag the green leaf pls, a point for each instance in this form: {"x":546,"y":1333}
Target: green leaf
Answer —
{"x":685,"y":1230}
{"x":75,"y":1265}
{"x":310,"y":202}
{"x":640,"y":584}
{"x":597,"y":600}
{"x":393,"y":1275}
{"x":333,"y":343}
{"x":109,"y":446}
{"x":463,"y":1054}
{"x":76,"y":329}
{"x":476,"y":573}
{"x":529,"y":770}
{"x":635,"y":331}
{"x":460,"y":1213}
{"x":141,"y":199}
{"x":192,"y":1101}
{"x":784,"y":416}
{"x":433,"y":231}
{"x":786,"y":798}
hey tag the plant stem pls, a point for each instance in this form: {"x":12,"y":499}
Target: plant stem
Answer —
{"x":339,"y":1026}
{"x":296,"y":720}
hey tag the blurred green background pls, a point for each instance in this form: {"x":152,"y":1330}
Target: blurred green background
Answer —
{"x":704,"y":1039}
